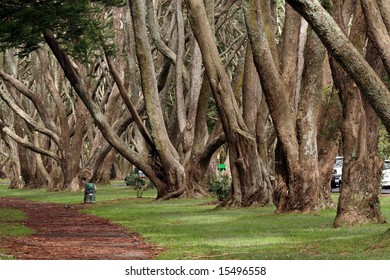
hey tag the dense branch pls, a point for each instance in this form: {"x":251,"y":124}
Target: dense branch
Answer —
{"x":129,"y":103}
{"x":370,"y":85}
{"x":8,"y":100}
{"x":160,"y":44}
{"x":92,"y":107}
{"x":377,"y":30}
{"x":28,"y":144}
{"x":33,"y":97}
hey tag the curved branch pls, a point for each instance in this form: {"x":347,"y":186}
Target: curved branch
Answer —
{"x":161,"y":46}
{"x":100,"y":120}
{"x":338,"y":45}
{"x":128,"y":103}
{"x":34,"y":99}
{"x":377,"y":31}
{"x":28,"y":144}
{"x":8,"y":100}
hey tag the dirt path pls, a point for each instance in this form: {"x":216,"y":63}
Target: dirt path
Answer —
{"x":63,"y":233}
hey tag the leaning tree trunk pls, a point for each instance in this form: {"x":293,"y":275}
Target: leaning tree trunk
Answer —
{"x":359,"y":198}
{"x":297,"y":171}
{"x":349,"y":58}
{"x":170,"y":168}
{"x":247,"y":182}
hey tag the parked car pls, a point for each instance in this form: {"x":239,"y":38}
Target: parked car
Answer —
{"x":337,"y":175}
{"x":337,"y":180}
{"x":385,"y":180}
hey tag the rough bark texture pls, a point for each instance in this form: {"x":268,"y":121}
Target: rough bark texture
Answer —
{"x":96,"y":113}
{"x":377,"y":30}
{"x":297,"y":171}
{"x":170,"y":160}
{"x":370,"y":85}
{"x":247,"y":184}
{"x":359,"y":198}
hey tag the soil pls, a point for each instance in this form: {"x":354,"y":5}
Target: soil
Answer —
{"x":62,"y":232}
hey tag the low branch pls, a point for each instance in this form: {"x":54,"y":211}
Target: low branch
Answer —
{"x":8,"y":100}
{"x":32,"y":97}
{"x":338,"y":45}
{"x":129,"y":104}
{"x":28,"y":144}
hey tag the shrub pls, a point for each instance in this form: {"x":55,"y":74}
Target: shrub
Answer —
{"x":219,"y":185}
{"x":139,"y":183}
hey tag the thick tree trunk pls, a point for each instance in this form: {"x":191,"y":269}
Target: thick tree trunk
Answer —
{"x":252,"y":96}
{"x":359,"y":198}
{"x":13,"y":169}
{"x":328,"y":142}
{"x":171,"y":169}
{"x":26,"y":169}
{"x":370,"y":85}
{"x":247,"y":184}
{"x":297,"y":171}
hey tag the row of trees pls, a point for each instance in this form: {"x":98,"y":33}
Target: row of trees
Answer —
{"x":283,"y":87}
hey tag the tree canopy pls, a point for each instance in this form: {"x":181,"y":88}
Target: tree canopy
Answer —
{"x":75,"y":24}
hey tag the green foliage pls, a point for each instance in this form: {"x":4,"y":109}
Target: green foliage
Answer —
{"x":11,"y":225}
{"x":219,"y":185}
{"x":384,"y":143}
{"x":138,"y":183}
{"x":22,"y":24}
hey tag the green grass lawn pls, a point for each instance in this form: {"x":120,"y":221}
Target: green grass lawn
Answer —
{"x":194,"y":229}
{"x":11,"y":225}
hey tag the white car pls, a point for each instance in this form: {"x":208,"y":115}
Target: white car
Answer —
{"x":385,"y":181}
{"x":337,"y":173}
{"x":336,"y":182}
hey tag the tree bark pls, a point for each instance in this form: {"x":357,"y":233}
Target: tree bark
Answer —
{"x":370,"y":85}
{"x":359,"y":197}
{"x":297,"y":186}
{"x":247,"y":183}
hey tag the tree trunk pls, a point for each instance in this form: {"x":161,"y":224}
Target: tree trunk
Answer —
{"x":370,"y":85}
{"x":172,"y":170}
{"x":247,"y":183}
{"x":359,"y":197}
{"x":13,"y":169}
{"x":328,"y":141}
{"x":297,"y":171}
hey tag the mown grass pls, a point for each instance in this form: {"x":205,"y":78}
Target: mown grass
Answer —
{"x":195,"y":229}
{"x":11,"y":225}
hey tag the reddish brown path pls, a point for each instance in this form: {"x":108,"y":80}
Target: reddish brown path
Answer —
{"x":63,"y":233}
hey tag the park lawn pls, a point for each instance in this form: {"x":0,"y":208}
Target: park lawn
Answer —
{"x":196,"y":229}
{"x":191,"y":229}
{"x":11,"y":225}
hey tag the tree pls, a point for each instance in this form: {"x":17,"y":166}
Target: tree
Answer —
{"x":343,"y":51}
{"x":359,"y":199}
{"x":354,"y":207}
{"x":248,"y":185}
{"x":79,"y":42}
{"x":295,"y":100}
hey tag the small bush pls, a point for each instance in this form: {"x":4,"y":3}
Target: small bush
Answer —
{"x":219,"y":185}
{"x":139,"y":183}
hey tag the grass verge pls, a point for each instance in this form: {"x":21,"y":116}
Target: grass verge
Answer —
{"x":194,"y":229}
{"x":11,"y":225}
